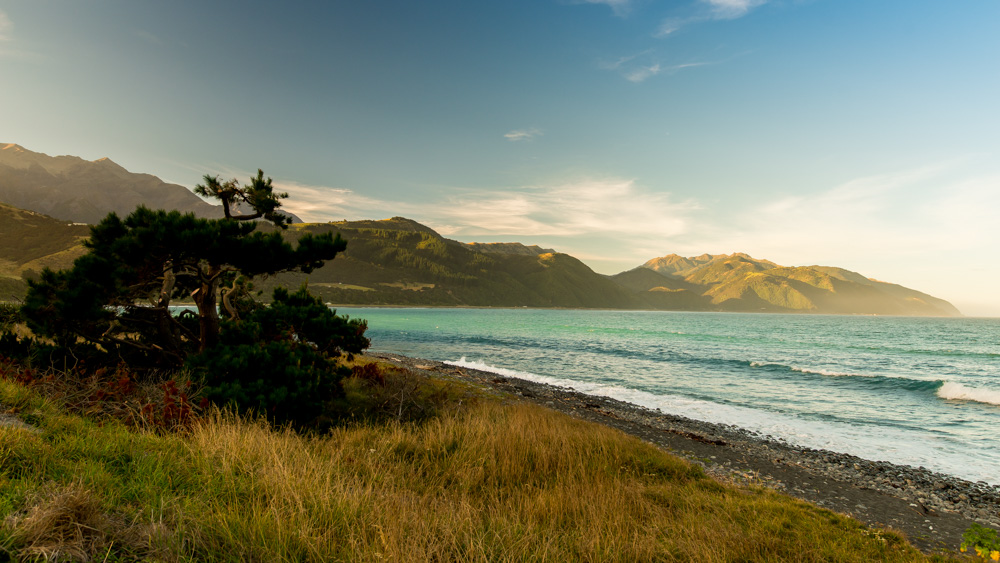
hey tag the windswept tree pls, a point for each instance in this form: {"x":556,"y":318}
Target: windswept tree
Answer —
{"x":258,"y":197}
{"x":118,"y":294}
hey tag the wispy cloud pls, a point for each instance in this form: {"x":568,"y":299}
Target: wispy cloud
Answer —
{"x":523,"y":134}
{"x":731,"y":9}
{"x":322,"y":203}
{"x":642,"y":73}
{"x":611,"y":207}
{"x":712,"y":10}
{"x":10,"y":48}
{"x":642,"y":66}
{"x":620,"y":7}
{"x":622,"y":61}
{"x":148,"y":37}
{"x":6,"y":27}
{"x":879,"y":213}
{"x":669,"y":26}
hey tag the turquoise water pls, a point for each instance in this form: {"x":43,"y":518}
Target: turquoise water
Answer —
{"x":915,"y":391}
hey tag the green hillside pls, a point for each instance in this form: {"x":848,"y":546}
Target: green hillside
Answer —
{"x":31,"y":241}
{"x":401,"y":262}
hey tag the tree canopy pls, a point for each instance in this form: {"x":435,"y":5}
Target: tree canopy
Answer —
{"x":118,"y":295}
{"x":258,"y":196}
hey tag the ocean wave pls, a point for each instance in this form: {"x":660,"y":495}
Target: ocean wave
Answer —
{"x":958,"y":392}
{"x":483,"y":366}
{"x":807,"y":370}
{"x":861,"y":379}
{"x":908,"y":448}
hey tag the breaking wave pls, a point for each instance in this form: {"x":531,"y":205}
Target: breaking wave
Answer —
{"x":959,"y":392}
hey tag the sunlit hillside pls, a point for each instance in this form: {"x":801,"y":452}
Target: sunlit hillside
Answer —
{"x":30,"y":242}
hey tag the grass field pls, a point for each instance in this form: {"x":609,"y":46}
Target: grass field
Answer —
{"x":484,"y":479}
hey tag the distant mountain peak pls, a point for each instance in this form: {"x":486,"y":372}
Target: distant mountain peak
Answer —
{"x":82,"y":191}
{"x":740,"y":282}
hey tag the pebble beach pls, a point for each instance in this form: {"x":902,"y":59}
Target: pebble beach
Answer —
{"x":931,"y":509}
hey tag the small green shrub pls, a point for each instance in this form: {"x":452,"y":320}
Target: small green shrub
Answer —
{"x":10,"y":315}
{"x":984,"y":541}
{"x":282,"y":361}
{"x":378,"y":393}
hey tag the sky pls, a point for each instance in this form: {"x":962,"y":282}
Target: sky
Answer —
{"x":863,"y":134}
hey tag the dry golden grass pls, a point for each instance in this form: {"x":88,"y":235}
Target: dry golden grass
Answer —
{"x":482,"y":482}
{"x":65,"y":524}
{"x":496,"y":483}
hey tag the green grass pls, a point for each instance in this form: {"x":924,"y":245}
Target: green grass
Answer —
{"x":482,"y":480}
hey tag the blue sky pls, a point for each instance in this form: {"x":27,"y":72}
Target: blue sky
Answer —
{"x":857,"y":133}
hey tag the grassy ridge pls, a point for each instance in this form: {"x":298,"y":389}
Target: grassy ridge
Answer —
{"x":401,"y":262}
{"x":31,"y":241}
{"x":482,"y":480}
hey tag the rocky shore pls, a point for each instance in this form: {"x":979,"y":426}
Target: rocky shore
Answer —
{"x":932,"y":509}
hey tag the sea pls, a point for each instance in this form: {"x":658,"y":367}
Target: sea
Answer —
{"x":923,"y":392}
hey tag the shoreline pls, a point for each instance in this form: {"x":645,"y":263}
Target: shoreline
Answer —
{"x":932,"y":509}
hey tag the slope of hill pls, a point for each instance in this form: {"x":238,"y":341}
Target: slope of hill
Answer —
{"x":738,"y":282}
{"x":508,"y":248}
{"x":74,"y":189}
{"x":31,"y":241}
{"x":400,"y":262}
{"x":679,"y":266}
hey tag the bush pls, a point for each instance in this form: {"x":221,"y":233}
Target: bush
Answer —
{"x":10,"y":315}
{"x":984,"y":541}
{"x":379,"y":393}
{"x":282,"y":361}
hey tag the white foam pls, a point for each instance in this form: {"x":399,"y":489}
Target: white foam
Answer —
{"x":877,"y":443}
{"x":959,"y":392}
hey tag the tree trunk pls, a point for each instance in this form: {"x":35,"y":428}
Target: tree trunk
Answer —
{"x":227,"y":301}
{"x":206,"y":298}
{"x":169,"y":279}
{"x":165,"y":325}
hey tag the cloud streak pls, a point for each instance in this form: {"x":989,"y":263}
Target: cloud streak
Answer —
{"x":732,"y":9}
{"x":611,"y":207}
{"x":644,"y":65}
{"x":713,"y":10}
{"x":6,"y":27}
{"x":518,"y":135}
{"x":642,"y":73}
{"x":620,"y":7}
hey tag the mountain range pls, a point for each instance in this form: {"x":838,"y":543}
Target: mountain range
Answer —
{"x":83,"y":191}
{"x":399,"y":261}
